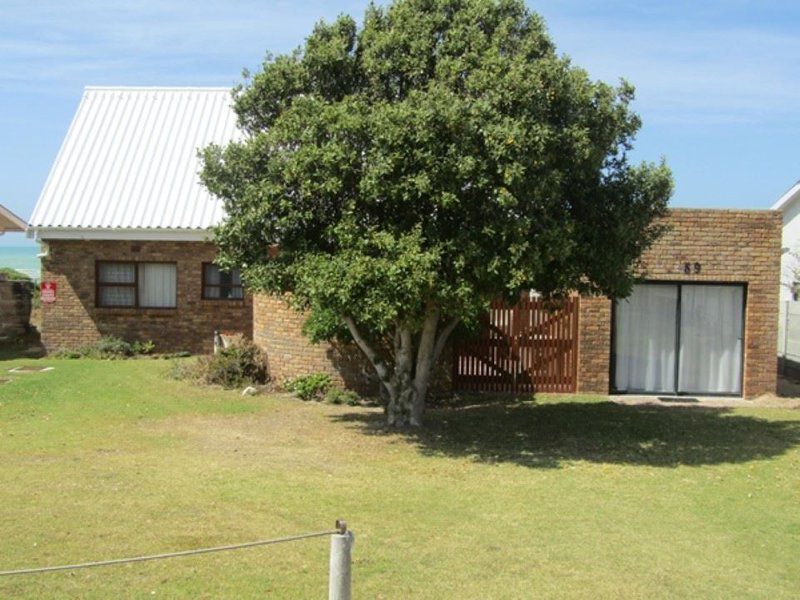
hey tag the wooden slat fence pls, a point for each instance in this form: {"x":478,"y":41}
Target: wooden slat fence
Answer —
{"x":524,"y":348}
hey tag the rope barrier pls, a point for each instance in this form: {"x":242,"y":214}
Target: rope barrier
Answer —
{"x":117,"y":561}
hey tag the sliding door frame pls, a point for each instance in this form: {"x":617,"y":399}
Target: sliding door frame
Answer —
{"x":675,"y":392}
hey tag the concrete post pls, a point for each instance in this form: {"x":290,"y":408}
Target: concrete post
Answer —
{"x":341,"y":547}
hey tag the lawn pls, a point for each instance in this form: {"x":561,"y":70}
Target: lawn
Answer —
{"x":561,"y":497}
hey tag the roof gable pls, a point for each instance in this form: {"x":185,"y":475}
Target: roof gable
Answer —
{"x":790,"y":196}
{"x":129,"y":161}
{"x":9,"y":221}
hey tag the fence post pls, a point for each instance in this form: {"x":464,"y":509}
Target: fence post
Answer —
{"x":341,"y":547}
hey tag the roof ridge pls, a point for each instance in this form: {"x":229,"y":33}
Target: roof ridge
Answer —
{"x":152,"y":88}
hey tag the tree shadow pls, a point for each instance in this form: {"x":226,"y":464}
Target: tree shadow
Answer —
{"x":548,"y":435}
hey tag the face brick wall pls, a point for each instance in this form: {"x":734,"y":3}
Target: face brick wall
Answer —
{"x":73,"y":320}
{"x":730,"y":246}
{"x":277,"y":329}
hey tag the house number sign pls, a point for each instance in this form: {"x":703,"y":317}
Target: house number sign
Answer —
{"x":692,"y":268}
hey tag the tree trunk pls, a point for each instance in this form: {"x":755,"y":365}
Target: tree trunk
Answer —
{"x":407,"y":383}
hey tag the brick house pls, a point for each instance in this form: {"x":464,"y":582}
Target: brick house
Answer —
{"x":124,"y":223}
{"x":126,"y":232}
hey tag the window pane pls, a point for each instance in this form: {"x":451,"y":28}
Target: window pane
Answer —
{"x":645,"y":339}
{"x":211,"y":274}
{"x":116,"y":272}
{"x":221,"y":284}
{"x":711,"y":339}
{"x":233,"y":293}
{"x":157,"y":285}
{"x":117,"y":296}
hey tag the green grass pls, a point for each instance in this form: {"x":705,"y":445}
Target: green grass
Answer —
{"x":558,"y":498}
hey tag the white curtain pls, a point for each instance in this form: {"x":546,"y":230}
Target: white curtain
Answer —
{"x":157,"y":285}
{"x":645,"y":339}
{"x":111,"y":273}
{"x":711,"y":339}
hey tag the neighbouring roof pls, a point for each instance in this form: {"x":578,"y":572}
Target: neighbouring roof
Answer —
{"x":792,"y":194}
{"x":9,"y":221}
{"x":129,"y":165}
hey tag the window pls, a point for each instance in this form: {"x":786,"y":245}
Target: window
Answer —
{"x":136,"y":285}
{"x":219,"y":285}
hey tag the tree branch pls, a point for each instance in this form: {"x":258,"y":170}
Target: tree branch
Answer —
{"x":369,"y":351}
{"x":442,"y":340}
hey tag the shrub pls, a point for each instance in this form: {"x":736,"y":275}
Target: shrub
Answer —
{"x":9,"y":274}
{"x":309,"y":387}
{"x":110,"y":347}
{"x":242,"y":363}
{"x":337,"y":396}
{"x":145,"y":347}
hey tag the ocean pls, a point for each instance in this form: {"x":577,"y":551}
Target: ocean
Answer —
{"x":21,"y":258}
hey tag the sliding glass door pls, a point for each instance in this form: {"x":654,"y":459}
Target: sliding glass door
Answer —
{"x":645,"y":335}
{"x":711,"y":339}
{"x":679,"y":338}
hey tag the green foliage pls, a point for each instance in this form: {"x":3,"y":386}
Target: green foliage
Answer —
{"x":309,"y":387}
{"x":442,"y":154}
{"x":146,"y":347}
{"x":337,"y":396}
{"x":12,"y":275}
{"x":242,"y":363}
{"x":111,"y":347}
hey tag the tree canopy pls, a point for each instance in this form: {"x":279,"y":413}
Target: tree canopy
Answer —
{"x":411,"y":169}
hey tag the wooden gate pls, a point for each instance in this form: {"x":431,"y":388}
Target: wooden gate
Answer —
{"x":524,"y":348}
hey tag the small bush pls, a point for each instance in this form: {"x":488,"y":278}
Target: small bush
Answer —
{"x":145,"y":347}
{"x":110,"y":347}
{"x":113,"y":347}
{"x":181,"y":370}
{"x":242,"y":363}
{"x":310,"y":387}
{"x":337,"y":396}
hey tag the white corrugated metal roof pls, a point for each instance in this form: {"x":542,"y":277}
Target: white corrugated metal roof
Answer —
{"x":129,"y":161}
{"x":789,"y":196}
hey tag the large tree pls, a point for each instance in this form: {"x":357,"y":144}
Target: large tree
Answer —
{"x":395,"y":177}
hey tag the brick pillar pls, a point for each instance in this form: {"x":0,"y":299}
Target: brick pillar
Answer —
{"x":594,"y":345}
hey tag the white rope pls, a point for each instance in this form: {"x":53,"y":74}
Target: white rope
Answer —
{"x":117,"y":561}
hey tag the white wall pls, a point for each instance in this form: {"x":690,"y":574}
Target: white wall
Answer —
{"x":790,"y":246}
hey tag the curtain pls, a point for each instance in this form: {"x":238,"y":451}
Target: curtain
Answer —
{"x":711,"y":339}
{"x":645,"y":339}
{"x":157,"y":285}
{"x":212,"y":279}
{"x":113,"y":273}
{"x":220,"y":284}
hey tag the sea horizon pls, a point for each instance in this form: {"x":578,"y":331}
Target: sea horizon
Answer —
{"x":23,"y":258}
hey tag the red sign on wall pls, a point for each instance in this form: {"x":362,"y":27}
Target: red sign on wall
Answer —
{"x":48,"y":289}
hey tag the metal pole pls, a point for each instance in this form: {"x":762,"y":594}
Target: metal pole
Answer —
{"x":341,"y":547}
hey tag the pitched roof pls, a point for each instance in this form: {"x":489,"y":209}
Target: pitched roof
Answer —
{"x":9,"y":221}
{"x":788,"y":197}
{"x":129,"y":163}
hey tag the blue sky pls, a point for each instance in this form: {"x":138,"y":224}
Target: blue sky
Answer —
{"x":717,"y":81}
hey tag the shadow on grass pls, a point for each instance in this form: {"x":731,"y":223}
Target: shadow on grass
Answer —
{"x":546,"y":435}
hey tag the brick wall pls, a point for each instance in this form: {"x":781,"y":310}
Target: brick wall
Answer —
{"x":277,"y":329}
{"x":730,"y":246}
{"x":15,"y":307}
{"x":73,"y":320}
